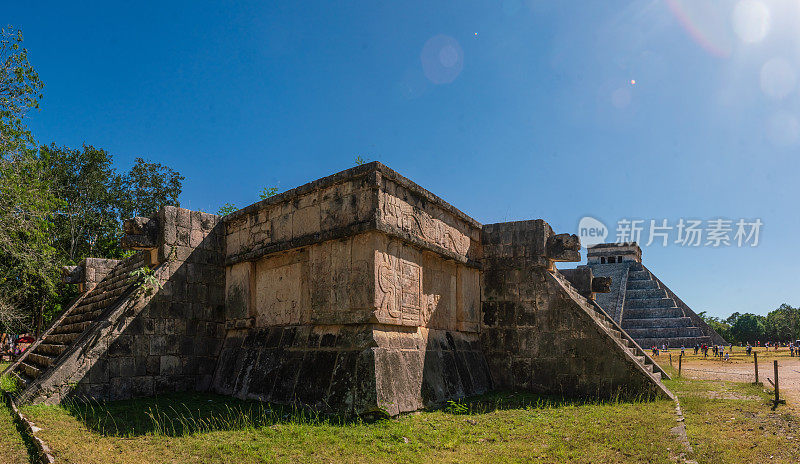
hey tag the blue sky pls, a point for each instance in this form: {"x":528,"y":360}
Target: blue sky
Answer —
{"x":508,"y":109}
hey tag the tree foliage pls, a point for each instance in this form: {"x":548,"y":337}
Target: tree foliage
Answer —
{"x":27,"y":267}
{"x":20,"y":92}
{"x":779,"y":325}
{"x":147,"y":187}
{"x":57,"y":204}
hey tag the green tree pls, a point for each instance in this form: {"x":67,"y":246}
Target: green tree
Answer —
{"x":722,"y":327}
{"x":28,"y":270}
{"x":748,"y":328}
{"x":147,"y":187}
{"x":20,"y":92}
{"x":783,"y":324}
{"x":89,"y":189}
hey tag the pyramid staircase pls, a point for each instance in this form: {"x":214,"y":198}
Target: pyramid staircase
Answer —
{"x":652,"y":316}
{"x":87,"y":309}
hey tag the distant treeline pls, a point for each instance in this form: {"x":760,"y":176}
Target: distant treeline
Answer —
{"x":780,"y":325}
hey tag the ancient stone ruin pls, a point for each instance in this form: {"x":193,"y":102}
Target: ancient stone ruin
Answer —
{"x":643,"y":305}
{"x":356,"y":293}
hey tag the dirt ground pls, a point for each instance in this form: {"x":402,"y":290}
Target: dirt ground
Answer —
{"x":740,"y":369}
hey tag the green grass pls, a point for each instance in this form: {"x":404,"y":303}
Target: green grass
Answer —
{"x":13,"y":449}
{"x":499,"y":428}
{"x":726,"y":422}
{"x":730,"y":422}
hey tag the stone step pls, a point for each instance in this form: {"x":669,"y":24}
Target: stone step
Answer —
{"x":641,"y":284}
{"x":50,"y":349}
{"x":29,"y":369}
{"x":22,"y":377}
{"x":63,"y":339}
{"x":84,"y":317}
{"x":645,"y":293}
{"x":665,"y":332}
{"x":638,"y":275}
{"x":657,"y":322}
{"x":77,"y":327}
{"x":650,"y":303}
{"x":657,"y":375}
{"x":650,"y":313}
{"x":41,"y":361}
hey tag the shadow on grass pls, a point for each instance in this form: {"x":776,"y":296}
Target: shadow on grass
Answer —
{"x":190,"y":413}
{"x":498,"y":401}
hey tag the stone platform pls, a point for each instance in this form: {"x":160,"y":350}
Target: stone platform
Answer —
{"x":357,"y":293}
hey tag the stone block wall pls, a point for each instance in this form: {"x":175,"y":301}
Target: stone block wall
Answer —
{"x":372,"y":276}
{"x":537,"y":331}
{"x":154,"y":340}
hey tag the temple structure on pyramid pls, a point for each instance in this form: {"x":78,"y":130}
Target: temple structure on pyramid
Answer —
{"x":642,"y":304}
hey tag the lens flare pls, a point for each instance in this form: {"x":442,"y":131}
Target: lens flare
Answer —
{"x":750,"y":21}
{"x":705,"y":24}
{"x":442,"y":59}
{"x":777,"y":78}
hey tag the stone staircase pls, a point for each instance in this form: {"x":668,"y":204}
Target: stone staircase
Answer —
{"x":73,"y":322}
{"x":634,"y":348}
{"x":651,"y":316}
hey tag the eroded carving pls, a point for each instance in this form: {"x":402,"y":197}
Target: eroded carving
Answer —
{"x":416,"y":222}
{"x":400,"y":283}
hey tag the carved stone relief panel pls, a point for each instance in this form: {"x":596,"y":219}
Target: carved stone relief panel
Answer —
{"x":399,"y":284}
{"x":428,"y":225}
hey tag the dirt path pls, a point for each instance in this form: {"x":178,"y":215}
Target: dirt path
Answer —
{"x":742,"y":370}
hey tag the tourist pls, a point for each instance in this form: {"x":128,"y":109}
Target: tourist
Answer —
{"x":696,"y":348}
{"x":749,"y":349}
{"x":727,"y":356}
{"x":683,"y":350}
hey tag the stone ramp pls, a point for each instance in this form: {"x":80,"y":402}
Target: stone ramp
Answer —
{"x":541,"y":333}
{"x":106,"y":282}
{"x":631,"y":349}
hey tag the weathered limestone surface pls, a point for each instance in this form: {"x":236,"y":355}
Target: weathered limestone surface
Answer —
{"x":379,"y":269}
{"x":538,"y":333}
{"x":134,"y":341}
{"x":360,"y":292}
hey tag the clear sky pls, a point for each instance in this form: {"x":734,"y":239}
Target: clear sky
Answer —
{"x":507,"y":109}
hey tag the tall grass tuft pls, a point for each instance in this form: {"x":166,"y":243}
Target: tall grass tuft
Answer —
{"x":173,"y":415}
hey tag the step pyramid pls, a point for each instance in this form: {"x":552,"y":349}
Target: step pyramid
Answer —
{"x":644,"y":306}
